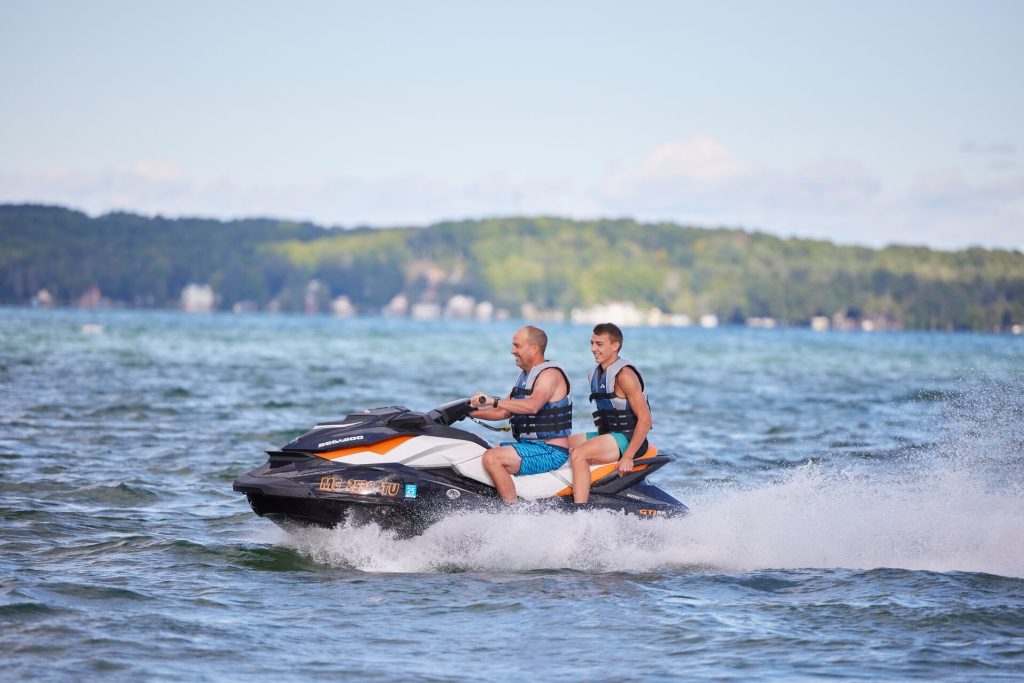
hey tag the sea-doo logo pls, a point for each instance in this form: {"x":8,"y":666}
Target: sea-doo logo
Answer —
{"x":337,"y":441}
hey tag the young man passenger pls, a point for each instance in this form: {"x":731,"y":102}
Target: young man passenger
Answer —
{"x":622,"y":415}
{"x":539,"y":409}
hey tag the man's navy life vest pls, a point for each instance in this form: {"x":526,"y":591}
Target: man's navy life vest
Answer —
{"x":553,"y":420}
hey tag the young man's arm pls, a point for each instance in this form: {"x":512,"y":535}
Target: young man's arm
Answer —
{"x":628,"y":381}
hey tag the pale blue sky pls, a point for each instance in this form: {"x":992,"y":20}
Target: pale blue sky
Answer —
{"x":860,"y":122}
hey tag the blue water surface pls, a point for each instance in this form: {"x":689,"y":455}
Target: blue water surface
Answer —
{"x":857,"y":509}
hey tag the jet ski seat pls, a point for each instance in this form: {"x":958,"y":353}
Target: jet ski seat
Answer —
{"x":546,"y":484}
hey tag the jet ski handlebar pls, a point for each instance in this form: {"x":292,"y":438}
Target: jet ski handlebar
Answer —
{"x":451,"y":412}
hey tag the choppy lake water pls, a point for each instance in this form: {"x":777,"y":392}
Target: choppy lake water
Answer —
{"x":857,"y":509}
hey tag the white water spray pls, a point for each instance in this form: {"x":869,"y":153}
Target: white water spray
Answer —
{"x":957,"y":506}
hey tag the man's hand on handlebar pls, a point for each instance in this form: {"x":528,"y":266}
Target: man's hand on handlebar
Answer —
{"x":481,"y":400}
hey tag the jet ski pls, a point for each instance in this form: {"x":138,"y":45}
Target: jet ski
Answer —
{"x":405,"y":470}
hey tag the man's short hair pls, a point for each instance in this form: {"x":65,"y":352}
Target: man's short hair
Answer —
{"x":612,"y":330}
{"x":535,"y":335}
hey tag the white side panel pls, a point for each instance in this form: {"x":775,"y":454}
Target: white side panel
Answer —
{"x":530,"y":487}
{"x":464,"y":457}
{"x":474,"y":469}
{"x":420,"y":451}
{"x":545,"y":484}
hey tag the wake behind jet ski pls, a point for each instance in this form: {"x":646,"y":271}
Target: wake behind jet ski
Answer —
{"x":405,"y":470}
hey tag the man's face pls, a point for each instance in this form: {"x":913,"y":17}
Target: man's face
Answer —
{"x":523,"y":351}
{"x":603,"y":348}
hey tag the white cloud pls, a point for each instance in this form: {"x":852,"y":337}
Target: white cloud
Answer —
{"x":155,"y":172}
{"x":953,"y":210}
{"x":702,"y":181}
{"x":700,"y":161}
{"x":699,"y":181}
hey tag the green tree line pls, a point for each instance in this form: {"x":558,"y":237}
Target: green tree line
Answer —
{"x":552,"y":263}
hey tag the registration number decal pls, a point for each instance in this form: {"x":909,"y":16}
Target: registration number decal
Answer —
{"x":360,"y":486}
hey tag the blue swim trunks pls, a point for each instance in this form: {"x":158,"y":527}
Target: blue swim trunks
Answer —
{"x":537,"y":456}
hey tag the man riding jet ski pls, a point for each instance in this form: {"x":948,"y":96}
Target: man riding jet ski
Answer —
{"x":405,"y":470}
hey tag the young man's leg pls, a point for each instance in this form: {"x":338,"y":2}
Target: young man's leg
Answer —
{"x":577,"y":440}
{"x":599,"y":450}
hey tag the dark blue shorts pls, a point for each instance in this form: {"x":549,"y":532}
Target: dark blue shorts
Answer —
{"x":537,"y":456}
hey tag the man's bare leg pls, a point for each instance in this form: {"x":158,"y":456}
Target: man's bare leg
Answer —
{"x":501,"y":463}
{"x":601,"y":449}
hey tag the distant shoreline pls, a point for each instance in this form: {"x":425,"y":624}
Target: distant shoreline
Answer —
{"x":511,"y":321}
{"x":540,"y":268}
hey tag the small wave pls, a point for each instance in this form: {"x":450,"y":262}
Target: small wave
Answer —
{"x":22,"y":610}
{"x":81,"y":551}
{"x":274,"y":437}
{"x":88,"y":591}
{"x":273,"y":559}
{"x":121,"y":493}
{"x":21,"y":514}
{"x":278,"y":405}
{"x":137,"y":409}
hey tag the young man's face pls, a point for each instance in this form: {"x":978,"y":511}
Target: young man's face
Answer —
{"x":603,"y":348}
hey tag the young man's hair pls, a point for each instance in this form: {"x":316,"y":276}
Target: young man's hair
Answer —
{"x":612,"y":330}
{"x":535,"y":335}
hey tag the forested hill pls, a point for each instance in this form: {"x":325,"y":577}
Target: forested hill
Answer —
{"x":550,"y":263}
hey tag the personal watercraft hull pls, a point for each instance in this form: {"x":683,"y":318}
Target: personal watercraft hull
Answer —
{"x":318,"y":492}
{"x":409,"y":470}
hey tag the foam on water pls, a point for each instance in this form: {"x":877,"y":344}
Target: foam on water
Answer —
{"x":956,"y":506}
{"x":812,"y":520}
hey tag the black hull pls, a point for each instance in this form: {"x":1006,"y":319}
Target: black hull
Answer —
{"x":290,"y":512}
{"x":302,"y":500}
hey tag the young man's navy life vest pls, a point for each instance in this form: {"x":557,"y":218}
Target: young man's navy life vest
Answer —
{"x":613,"y":414}
{"x":553,"y":420}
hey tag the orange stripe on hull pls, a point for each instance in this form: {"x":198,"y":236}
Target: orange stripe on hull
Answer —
{"x":381,"y":447}
{"x":605,"y":470}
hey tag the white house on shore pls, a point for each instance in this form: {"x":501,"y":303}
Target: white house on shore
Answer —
{"x":627,"y":314}
{"x":196,"y":298}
